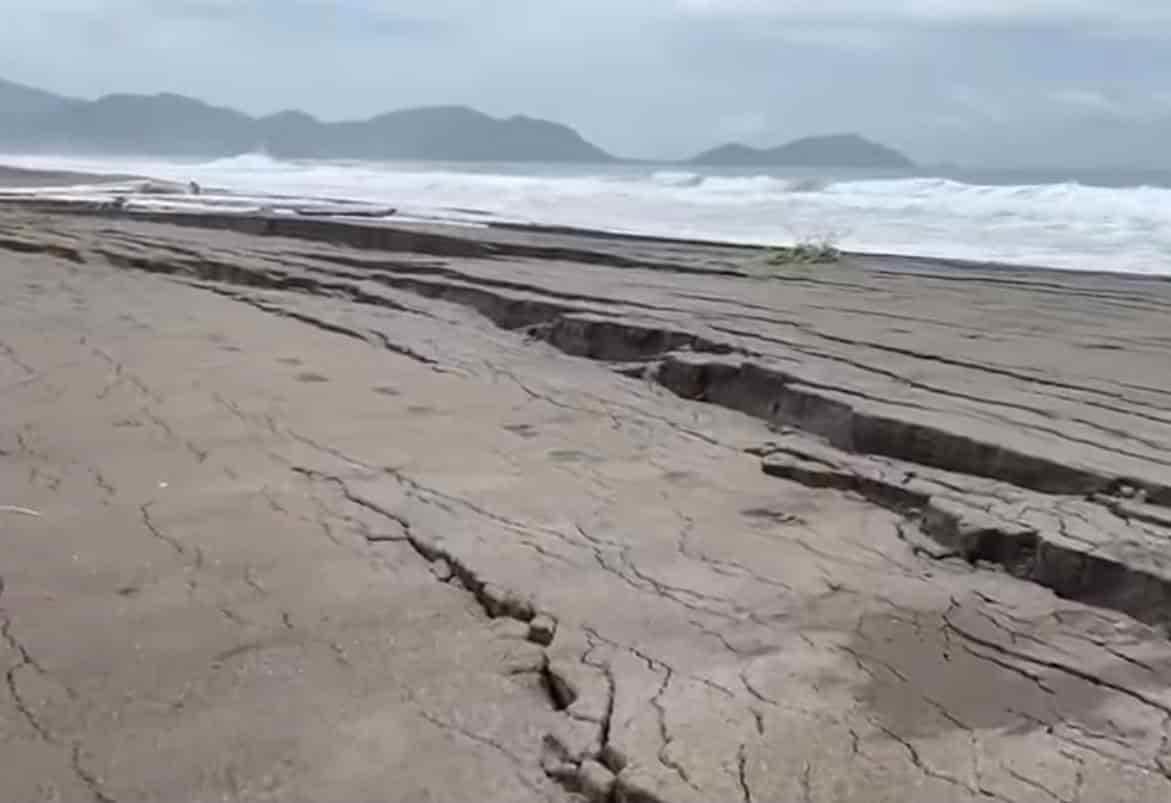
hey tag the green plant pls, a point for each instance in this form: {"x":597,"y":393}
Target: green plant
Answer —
{"x":819,"y":250}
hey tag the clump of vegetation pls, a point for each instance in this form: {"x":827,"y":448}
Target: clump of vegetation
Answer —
{"x":815,"y":251}
{"x":809,"y":249}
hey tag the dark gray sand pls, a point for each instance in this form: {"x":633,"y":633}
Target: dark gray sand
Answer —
{"x":509,"y":516}
{"x":24,"y":177}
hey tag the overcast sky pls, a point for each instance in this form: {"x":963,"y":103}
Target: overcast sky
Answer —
{"x":982,"y":81}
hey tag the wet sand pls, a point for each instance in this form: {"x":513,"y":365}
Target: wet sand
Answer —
{"x":350,"y":513}
{"x":25,"y":177}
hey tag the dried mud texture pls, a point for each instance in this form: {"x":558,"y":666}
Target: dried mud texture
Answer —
{"x":346,"y":513}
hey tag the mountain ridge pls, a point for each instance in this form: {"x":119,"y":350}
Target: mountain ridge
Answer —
{"x":170,"y":124}
{"x":833,"y":150}
{"x":20,"y":99}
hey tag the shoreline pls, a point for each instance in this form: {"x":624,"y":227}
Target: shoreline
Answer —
{"x":11,"y":176}
{"x":46,"y":179}
{"x":254,"y":222}
{"x":932,"y":261}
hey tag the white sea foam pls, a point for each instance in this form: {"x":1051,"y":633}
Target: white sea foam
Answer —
{"x":677,"y":178}
{"x":1059,"y":225}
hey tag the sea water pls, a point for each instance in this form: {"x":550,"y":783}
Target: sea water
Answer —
{"x":1080,"y":220}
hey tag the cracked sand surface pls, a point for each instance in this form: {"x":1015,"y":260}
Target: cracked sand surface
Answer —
{"x":325,"y":523}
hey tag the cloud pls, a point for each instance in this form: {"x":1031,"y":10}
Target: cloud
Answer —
{"x":357,"y":17}
{"x":1086,"y":99}
{"x":903,"y":12}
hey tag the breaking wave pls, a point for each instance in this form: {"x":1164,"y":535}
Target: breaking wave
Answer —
{"x":1066,"y":225}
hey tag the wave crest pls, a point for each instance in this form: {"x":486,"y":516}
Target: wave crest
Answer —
{"x":256,"y":160}
{"x":1060,"y":224}
{"x":677,"y":178}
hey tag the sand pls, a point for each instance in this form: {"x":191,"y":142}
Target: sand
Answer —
{"x":26,"y":177}
{"x":358,"y":513}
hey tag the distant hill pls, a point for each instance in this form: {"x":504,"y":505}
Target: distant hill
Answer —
{"x":454,"y":133}
{"x":155,"y":125}
{"x":174,"y":125}
{"x":18,"y":100}
{"x":839,"y":150}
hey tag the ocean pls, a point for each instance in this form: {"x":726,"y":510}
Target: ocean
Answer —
{"x":1085,"y":220}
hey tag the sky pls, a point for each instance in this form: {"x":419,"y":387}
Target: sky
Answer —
{"x":992,"y":82}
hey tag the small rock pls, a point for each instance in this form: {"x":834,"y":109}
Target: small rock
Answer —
{"x":556,"y":763}
{"x":523,"y":659}
{"x":572,"y":741}
{"x":595,"y":781}
{"x":562,"y":686}
{"x":542,"y":629}
{"x":442,"y":570}
{"x":561,"y":771}
{"x":922,"y":544}
{"x":1126,"y":491}
{"x":613,"y":759}
{"x":510,"y":628}
{"x":429,"y":546}
{"x":640,"y":785}
{"x":500,"y":602}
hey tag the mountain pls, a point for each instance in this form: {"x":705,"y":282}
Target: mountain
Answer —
{"x":157,"y":125}
{"x":18,"y":100}
{"x":449,"y":133}
{"x":838,"y":150}
{"x":174,"y":125}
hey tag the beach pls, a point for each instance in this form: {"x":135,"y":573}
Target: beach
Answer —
{"x":37,"y":178}
{"x":304,"y":509}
